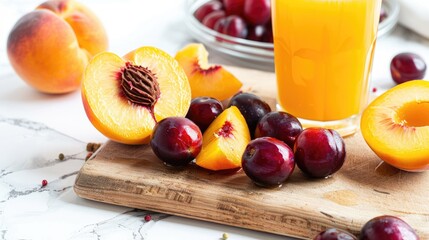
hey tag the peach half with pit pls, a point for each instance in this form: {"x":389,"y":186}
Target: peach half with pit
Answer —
{"x":50,"y":46}
{"x":396,"y":126}
{"x":125,"y":97}
{"x":206,"y":80}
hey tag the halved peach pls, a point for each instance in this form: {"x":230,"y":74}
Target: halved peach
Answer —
{"x":206,"y":80}
{"x":396,"y":126}
{"x":224,"y":141}
{"x":125,"y":97}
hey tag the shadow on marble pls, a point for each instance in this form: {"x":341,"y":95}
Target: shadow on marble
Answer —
{"x":26,"y":94}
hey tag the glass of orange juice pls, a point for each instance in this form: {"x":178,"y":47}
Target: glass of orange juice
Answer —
{"x":323,"y":51}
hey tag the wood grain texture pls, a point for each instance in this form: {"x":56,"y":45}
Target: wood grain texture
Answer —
{"x":364,"y":188}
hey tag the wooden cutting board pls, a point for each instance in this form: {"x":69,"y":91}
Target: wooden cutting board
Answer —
{"x":365,"y":187}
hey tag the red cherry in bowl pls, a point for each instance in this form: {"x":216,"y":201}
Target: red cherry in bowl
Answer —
{"x":387,"y":228}
{"x":176,"y":141}
{"x":407,"y":66}
{"x":268,"y":161}
{"x":234,"y":7}
{"x":234,"y":26}
{"x":211,"y":19}
{"x":257,"y":12}
{"x":268,"y":34}
{"x":319,"y":152}
{"x":219,"y":25}
{"x":207,"y":8}
{"x":255,"y":33}
{"x":383,"y":14}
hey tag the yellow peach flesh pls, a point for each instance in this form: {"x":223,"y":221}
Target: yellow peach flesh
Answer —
{"x":172,"y":73}
{"x":224,"y":152}
{"x":205,"y":79}
{"x":396,"y":126}
{"x":113,"y":114}
{"x":224,"y":90}
{"x":110,"y":112}
{"x":216,"y":157}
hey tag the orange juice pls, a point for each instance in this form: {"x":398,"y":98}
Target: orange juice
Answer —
{"x":323,"y":56}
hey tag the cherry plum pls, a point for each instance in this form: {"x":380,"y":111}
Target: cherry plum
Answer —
{"x":387,"y":228}
{"x":203,"y":110}
{"x":280,"y":125}
{"x":176,"y":141}
{"x":268,"y":161}
{"x":407,"y":66}
{"x":252,"y":107}
{"x":319,"y":152}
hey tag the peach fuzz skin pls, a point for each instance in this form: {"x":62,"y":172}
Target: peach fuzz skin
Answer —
{"x":50,"y":47}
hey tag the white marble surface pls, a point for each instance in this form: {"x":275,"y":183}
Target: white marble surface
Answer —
{"x":35,"y":128}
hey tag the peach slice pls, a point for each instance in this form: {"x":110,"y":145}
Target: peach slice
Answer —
{"x":206,"y":80}
{"x":50,"y":46}
{"x":125,"y":97}
{"x":396,"y":126}
{"x":224,"y":141}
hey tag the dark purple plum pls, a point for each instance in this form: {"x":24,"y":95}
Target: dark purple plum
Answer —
{"x":319,"y":152}
{"x":334,"y":234}
{"x":387,"y":228}
{"x":176,"y":141}
{"x":252,"y":107}
{"x":280,"y":125}
{"x":268,"y":161}
{"x":207,"y":8}
{"x":407,"y":66}
{"x":203,"y":110}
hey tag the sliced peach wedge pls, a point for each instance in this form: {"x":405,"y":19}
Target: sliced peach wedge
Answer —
{"x":396,"y":126}
{"x":206,"y":80}
{"x":125,"y":97}
{"x":224,"y":141}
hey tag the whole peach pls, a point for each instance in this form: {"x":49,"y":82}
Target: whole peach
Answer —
{"x":50,"y":47}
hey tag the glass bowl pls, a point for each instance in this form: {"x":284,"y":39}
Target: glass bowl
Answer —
{"x":388,"y":24}
{"x":255,"y":54}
